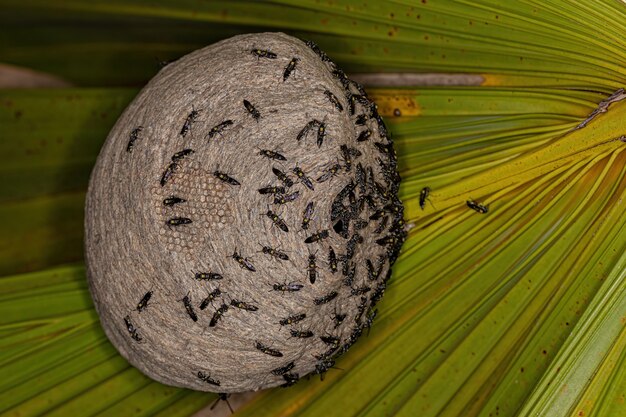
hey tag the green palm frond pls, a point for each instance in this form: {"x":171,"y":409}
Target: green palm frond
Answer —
{"x":517,"y":312}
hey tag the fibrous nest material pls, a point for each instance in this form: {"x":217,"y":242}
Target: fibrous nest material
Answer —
{"x":242,"y":217}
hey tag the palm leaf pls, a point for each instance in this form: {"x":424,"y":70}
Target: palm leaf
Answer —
{"x":516,"y":312}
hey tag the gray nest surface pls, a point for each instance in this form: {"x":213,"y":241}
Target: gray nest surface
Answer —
{"x":242,"y":217}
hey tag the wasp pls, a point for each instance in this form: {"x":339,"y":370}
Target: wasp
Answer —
{"x":307,"y":128}
{"x":477,"y":206}
{"x":290,"y":379}
{"x":187,"y":303}
{"x":303,"y":178}
{"x":369,"y":320}
{"x":276,"y":253}
{"x":282,"y":177}
{"x":386,"y":149}
{"x":372,"y":273}
{"x":272,"y":190}
{"x":283,"y":369}
{"x":332,"y":260}
{"x":424,"y":196}
{"x":272,"y":155}
{"x":296,"y":318}
{"x":331,"y":341}
{"x":143,"y":303}
{"x":219,"y":128}
{"x":338,"y":319}
{"x":360,"y":310}
{"x":252,"y":110}
{"x":334,"y":100}
{"x":276,"y":220}
{"x":361,"y":178}
{"x":268,"y":350}
{"x":306,"y":216}
{"x":302,"y":334}
{"x":207,"y":276}
{"x":378,"y":293}
{"x":326,"y":298}
{"x":316,"y":237}
{"x":207,"y":378}
{"x":243,"y":262}
{"x":132,"y":330}
{"x":219,"y":313}
{"x":177,"y":221}
{"x":347,"y":157}
{"x":351,"y":245}
{"x":343,"y":79}
{"x":390,"y":239}
{"x":291,"y":287}
{"x":321,"y":134}
{"x":134,"y":135}
{"x":330,"y":172}
{"x":291,"y":67}
{"x":382,"y":129}
{"x":361,"y":119}
{"x":212,"y":296}
{"x":225,"y":178}
{"x":318,"y":51}
{"x":222,"y":396}
{"x":323,"y":366}
{"x":286,"y":198}
{"x":170,"y":201}
{"x":261,"y":53}
{"x":182,"y":154}
{"x":360,"y":290}
{"x":364,"y":135}
{"x":169,"y":171}
{"x":312,"y":269}
{"x":243,"y":305}
{"x":189,"y":121}
{"x":349,"y":270}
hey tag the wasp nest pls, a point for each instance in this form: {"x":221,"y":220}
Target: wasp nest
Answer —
{"x":242,"y":217}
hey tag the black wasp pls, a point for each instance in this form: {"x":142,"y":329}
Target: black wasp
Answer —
{"x":252,"y":110}
{"x":282,"y":177}
{"x":134,"y":135}
{"x":291,"y":66}
{"x":302,"y":334}
{"x":207,"y":276}
{"x":225,"y":178}
{"x":268,"y":350}
{"x":187,"y":303}
{"x":169,"y":171}
{"x":277,"y":220}
{"x":207,"y":378}
{"x":132,"y":330}
{"x":346,"y":154}
{"x":360,"y":290}
{"x":326,"y":298}
{"x":219,"y":128}
{"x":307,"y":128}
{"x":243,"y":262}
{"x":272,"y":155}
{"x":276,"y":253}
{"x":334,"y":100}
{"x":330,"y":172}
{"x":306,"y":216}
{"x":243,"y":305}
{"x":296,"y":318}
{"x":170,"y":201}
{"x":386,"y":149}
{"x":477,"y":206}
{"x":290,"y":379}
{"x":219,"y":313}
{"x":283,"y":369}
{"x":291,"y":287}
{"x":312,"y":269}
{"x":286,"y":198}
{"x":209,"y":298}
{"x":331,"y":341}
{"x":143,"y":303}
{"x":424,"y":196}
{"x":338,"y":319}
{"x":261,"y":53}
{"x":182,"y":154}
{"x":272,"y":190}
{"x":364,"y":135}
{"x":361,"y":119}
{"x":316,"y":237}
{"x":318,"y":51}
{"x":177,"y":221}
{"x":189,"y":121}
{"x":303,"y":178}
{"x":332,"y":260}
{"x":361,"y":178}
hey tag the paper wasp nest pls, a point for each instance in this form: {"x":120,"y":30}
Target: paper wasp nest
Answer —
{"x":242,"y":217}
